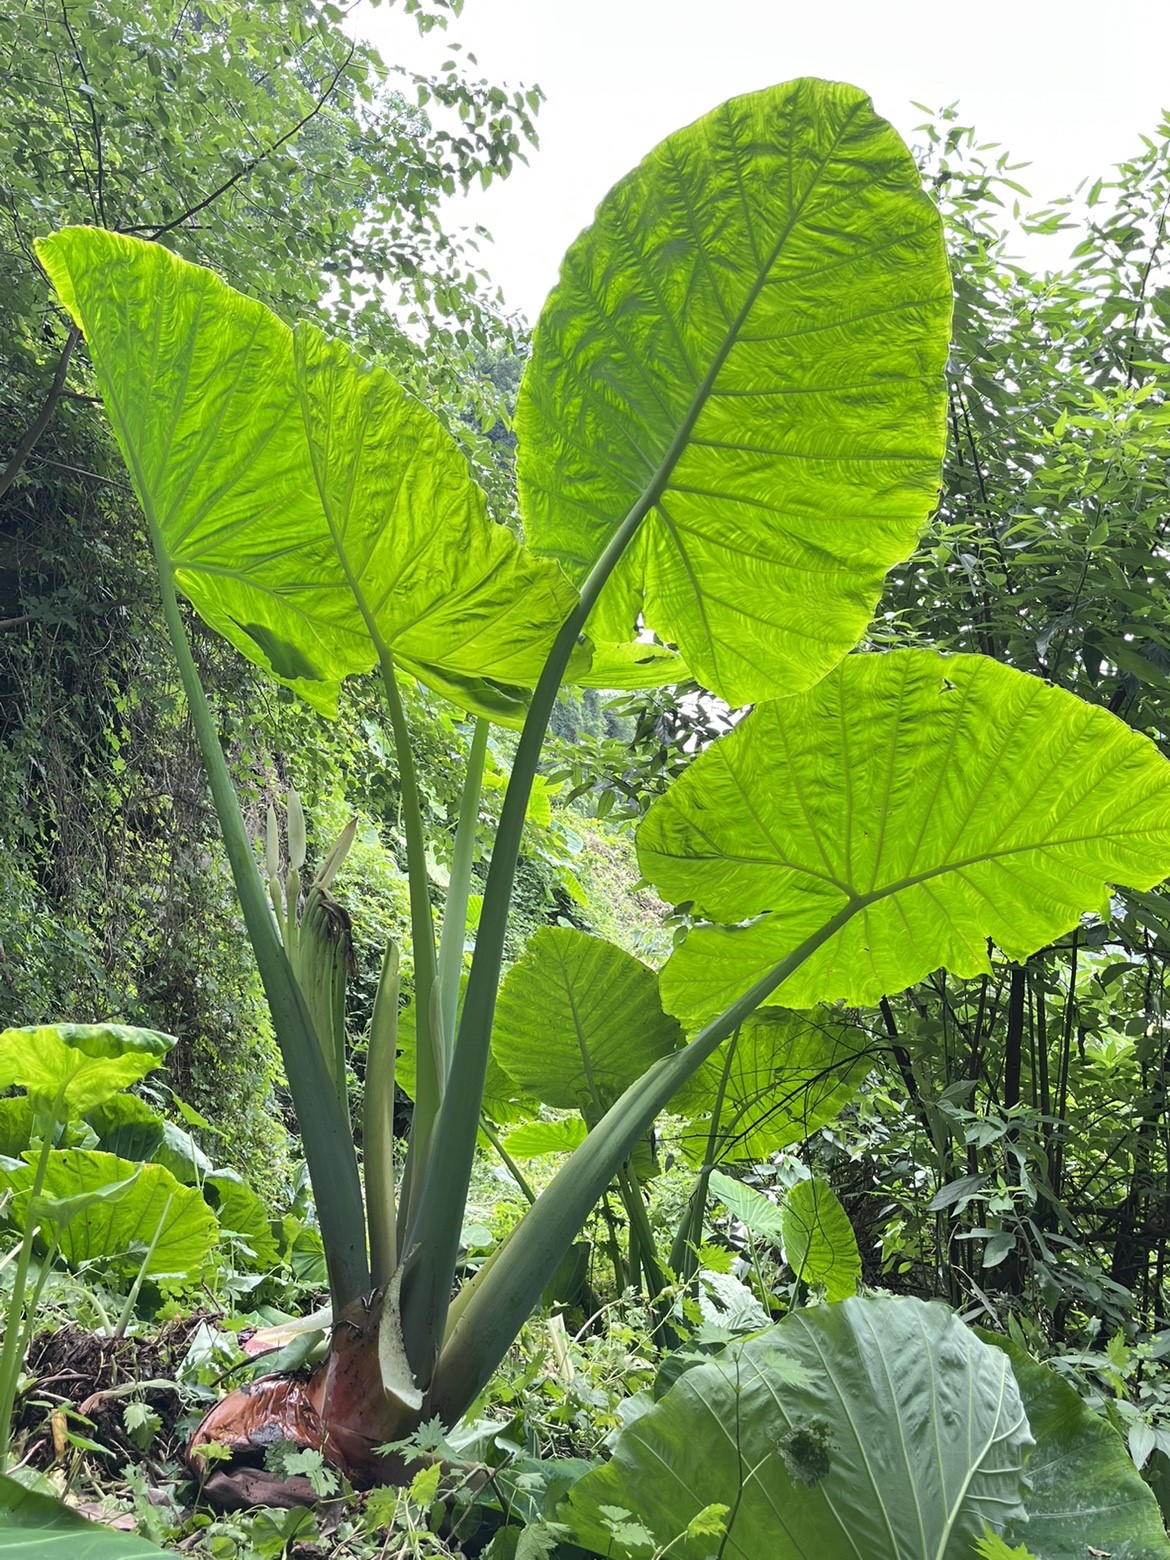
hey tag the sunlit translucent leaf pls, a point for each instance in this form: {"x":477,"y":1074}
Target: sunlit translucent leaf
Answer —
{"x":538,"y":1138}
{"x":502,"y":1102}
{"x":307,"y":505}
{"x":930,"y":802}
{"x":789,"y":1074}
{"x":819,"y":1244}
{"x":1086,"y":1495}
{"x":750,"y":340}
{"x":876,"y":1427}
{"x":90,"y":1061}
{"x":578,"y":1020}
{"x":119,"y":1231}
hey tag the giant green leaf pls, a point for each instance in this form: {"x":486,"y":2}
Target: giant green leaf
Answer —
{"x":119,"y":1231}
{"x":1086,"y":1495}
{"x":310,"y":509}
{"x":89,"y":1062}
{"x":788,"y":1074}
{"x":906,"y":810}
{"x":875,"y":1427}
{"x":34,"y":1527}
{"x":748,"y":346}
{"x":578,"y":1020}
{"x":819,"y":1244}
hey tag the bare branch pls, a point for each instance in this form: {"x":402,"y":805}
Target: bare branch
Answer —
{"x":44,"y":416}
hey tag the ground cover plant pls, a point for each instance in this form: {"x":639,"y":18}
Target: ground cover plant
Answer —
{"x":731,"y":426}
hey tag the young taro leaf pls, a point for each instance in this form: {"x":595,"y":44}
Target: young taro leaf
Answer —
{"x":812,"y":1408}
{"x":819,"y":1244}
{"x":747,"y":346}
{"x":578,"y":1021}
{"x":755,"y":1212}
{"x":911,"y":806}
{"x":313,"y":512}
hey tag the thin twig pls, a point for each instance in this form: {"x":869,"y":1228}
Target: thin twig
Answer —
{"x":43,"y":417}
{"x":250,"y":167}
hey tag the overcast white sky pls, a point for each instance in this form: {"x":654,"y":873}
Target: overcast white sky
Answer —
{"x":1068,"y":85}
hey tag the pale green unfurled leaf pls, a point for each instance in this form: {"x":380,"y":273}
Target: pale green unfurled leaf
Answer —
{"x":875,"y":1427}
{"x":919,"y":803}
{"x":90,"y":1062}
{"x":309,"y":508}
{"x":118,"y":1229}
{"x":748,"y":343}
{"x":819,"y":1244}
{"x":578,"y":1020}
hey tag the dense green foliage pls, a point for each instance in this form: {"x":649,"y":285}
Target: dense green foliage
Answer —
{"x":993,"y":1130}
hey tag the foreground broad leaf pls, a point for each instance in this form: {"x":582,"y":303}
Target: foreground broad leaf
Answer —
{"x":310,"y":509}
{"x":578,"y":1020}
{"x":873,"y":1427}
{"x":748,"y":346}
{"x":819,"y":1244}
{"x":33,"y":1527}
{"x":913,"y":805}
{"x":119,"y":1230}
{"x":1086,"y":1495}
{"x":783,"y":1076}
{"x":90,"y":1062}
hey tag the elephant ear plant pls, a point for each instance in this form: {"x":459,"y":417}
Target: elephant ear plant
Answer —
{"x":731,"y":426}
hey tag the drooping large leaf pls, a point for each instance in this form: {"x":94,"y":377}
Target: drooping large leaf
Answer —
{"x":578,"y":1020}
{"x":819,"y":1244}
{"x":927,"y":803}
{"x":1086,"y":1495}
{"x":789,"y":1074}
{"x":90,"y":1061}
{"x":119,"y":1231}
{"x":876,"y":1427}
{"x":749,"y":344}
{"x":308,"y":506}
{"x":33,"y":1527}
{"x":126,"y":1126}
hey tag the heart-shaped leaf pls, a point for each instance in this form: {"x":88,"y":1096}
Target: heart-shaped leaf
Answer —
{"x":873,"y":1427}
{"x":312,"y":511}
{"x":747,"y":346}
{"x":89,"y":1062}
{"x":819,"y":1244}
{"x":119,"y":1229}
{"x":578,"y":1020}
{"x":903,"y":812}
